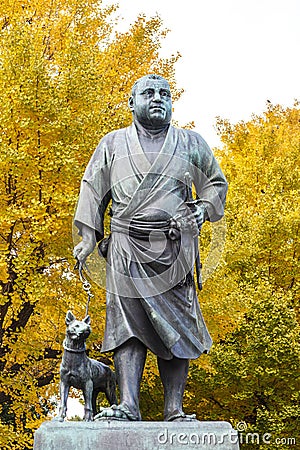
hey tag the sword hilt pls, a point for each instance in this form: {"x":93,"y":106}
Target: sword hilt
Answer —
{"x":188,"y":186}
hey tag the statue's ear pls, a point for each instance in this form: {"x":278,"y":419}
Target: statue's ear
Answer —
{"x":70,"y":317}
{"x":87,"y":320}
{"x":131,"y":103}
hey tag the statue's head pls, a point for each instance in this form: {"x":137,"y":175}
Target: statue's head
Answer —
{"x":151,"y":102}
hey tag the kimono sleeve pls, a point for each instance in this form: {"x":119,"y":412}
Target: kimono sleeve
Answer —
{"x":210,"y":182}
{"x":95,"y":192}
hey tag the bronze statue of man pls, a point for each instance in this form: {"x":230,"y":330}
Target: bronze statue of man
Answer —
{"x":151,"y":295}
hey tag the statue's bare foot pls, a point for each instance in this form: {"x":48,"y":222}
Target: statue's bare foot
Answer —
{"x":116,"y":412}
{"x":181,"y":417}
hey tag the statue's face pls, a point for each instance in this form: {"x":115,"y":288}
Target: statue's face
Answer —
{"x":152,"y":103}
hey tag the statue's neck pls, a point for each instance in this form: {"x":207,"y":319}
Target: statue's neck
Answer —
{"x":150,"y":130}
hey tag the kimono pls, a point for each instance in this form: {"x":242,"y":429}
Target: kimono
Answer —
{"x":151,"y":293}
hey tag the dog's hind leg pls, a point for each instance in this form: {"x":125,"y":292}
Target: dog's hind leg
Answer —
{"x":94,"y":401}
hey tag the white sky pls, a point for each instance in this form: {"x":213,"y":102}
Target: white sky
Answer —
{"x":236,"y":54}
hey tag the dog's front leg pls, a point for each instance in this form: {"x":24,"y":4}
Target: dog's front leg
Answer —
{"x":64,"y":392}
{"x":88,"y":394}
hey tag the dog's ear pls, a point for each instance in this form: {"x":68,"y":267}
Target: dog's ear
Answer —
{"x":70,"y":317}
{"x":87,"y":320}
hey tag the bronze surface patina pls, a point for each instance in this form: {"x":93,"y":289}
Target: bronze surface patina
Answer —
{"x":146,"y":170}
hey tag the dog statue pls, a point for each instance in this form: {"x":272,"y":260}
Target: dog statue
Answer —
{"x":81,"y":372}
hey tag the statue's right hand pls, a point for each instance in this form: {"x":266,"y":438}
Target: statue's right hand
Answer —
{"x":83,"y":250}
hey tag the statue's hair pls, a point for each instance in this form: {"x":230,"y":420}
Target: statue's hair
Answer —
{"x":151,"y":76}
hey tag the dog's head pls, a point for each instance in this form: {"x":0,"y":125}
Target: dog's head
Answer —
{"x":78,"y":330}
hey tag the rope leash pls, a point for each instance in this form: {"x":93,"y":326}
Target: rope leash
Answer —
{"x":85,"y":284}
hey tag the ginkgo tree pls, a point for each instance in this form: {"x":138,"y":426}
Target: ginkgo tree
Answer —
{"x":65,"y":78}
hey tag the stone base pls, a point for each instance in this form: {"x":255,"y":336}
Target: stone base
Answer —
{"x":114,"y":435}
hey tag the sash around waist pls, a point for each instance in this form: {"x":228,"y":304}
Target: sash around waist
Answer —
{"x":140,"y":229}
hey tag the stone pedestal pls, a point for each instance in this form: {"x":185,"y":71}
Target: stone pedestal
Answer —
{"x":113,"y":435}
